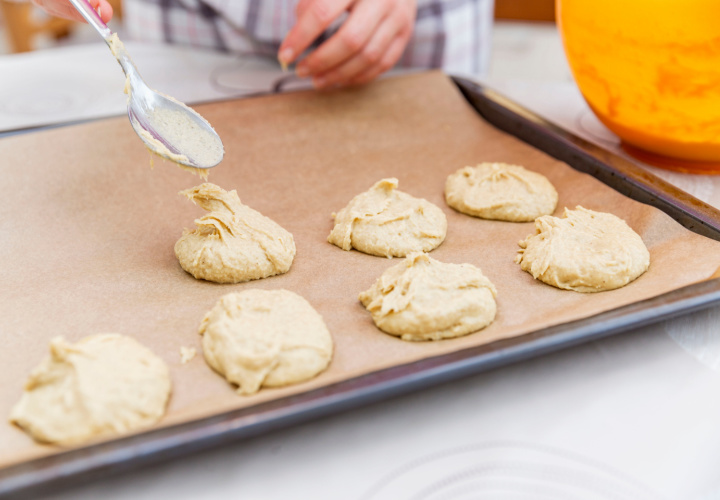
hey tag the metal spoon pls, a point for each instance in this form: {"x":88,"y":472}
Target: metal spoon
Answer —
{"x":168,"y":127}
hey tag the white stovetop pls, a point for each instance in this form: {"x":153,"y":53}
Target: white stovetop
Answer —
{"x":630,"y":417}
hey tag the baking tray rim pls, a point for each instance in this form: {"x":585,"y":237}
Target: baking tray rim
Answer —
{"x":122,"y":454}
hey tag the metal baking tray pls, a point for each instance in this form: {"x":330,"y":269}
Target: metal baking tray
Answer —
{"x":124,"y":454}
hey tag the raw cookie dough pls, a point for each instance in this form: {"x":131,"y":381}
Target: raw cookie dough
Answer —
{"x":233,"y":242}
{"x":387,"y":222}
{"x":423,"y":299}
{"x":500,"y":191}
{"x":104,"y":384}
{"x":586,"y":251}
{"x":260,"y":338}
{"x":187,"y":354}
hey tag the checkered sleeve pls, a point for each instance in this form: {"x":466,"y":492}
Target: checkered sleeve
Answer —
{"x":449,"y":34}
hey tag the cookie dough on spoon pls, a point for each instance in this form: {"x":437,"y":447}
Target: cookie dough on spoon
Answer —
{"x":168,"y":127}
{"x":232,"y":242}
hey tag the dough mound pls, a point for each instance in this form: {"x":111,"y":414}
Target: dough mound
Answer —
{"x":423,"y":299}
{"x":233,"y":242}
{"x":500,"y":191}
{"x":261,"y":338}
{"x":586,"y":251}
{"x":102,"y":385}
{"x":386,"y":222}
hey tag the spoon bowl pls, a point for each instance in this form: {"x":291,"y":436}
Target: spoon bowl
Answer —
{"x":168,"y":127}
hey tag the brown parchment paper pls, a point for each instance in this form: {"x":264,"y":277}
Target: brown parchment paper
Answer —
{"x":87,"y":232}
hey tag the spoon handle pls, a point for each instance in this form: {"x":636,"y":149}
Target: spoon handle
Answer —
{"x":117,"y":48}
{"x":92,"y":17}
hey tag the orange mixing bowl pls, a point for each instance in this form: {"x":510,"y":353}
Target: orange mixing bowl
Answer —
{"x":650,"y":71}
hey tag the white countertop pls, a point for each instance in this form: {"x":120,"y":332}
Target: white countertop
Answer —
{"x":634,"y":416}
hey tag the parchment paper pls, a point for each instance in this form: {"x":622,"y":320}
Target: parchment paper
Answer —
{"x":87,"y":232}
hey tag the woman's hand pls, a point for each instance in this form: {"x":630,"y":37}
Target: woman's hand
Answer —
{"x":63,"y":8}
{"x":369,"y":42}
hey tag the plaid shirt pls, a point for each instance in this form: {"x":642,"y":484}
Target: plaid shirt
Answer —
{"x":449,"y":34}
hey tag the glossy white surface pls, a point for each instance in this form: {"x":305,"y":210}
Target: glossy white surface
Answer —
{"x":84,"y":81}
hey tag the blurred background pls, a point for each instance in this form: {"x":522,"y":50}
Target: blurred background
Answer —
{"x":525,"y":41}
{"x":25,"y":27}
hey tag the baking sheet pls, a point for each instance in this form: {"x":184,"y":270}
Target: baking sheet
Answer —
{"x":87,"y":233}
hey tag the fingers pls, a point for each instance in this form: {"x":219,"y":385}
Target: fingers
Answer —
{"x":352,"y":37}
{"x":388,"y":61}
{"x":105,"y":10}
{"x":369,"y":56}
{"x":301,"y":7}
{"x":59,"y":8}
{"x":64,"y":9}
{"x":379,"y":54}
{"x":314,"y":18}
{"x":370,"y":41}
